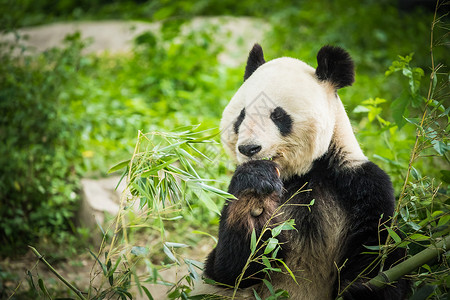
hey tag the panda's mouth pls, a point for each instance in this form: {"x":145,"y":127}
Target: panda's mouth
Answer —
{"x":271,"y":158}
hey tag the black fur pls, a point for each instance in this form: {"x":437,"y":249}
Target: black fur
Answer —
{"x":256,"y":176}
{"x":224,"y":264}
{"x":239,"y":121}
{"x":335,"y":65}
{"x":282,"y":119}
{"x":361,"y":194}
{"x":364,"y":194}
{"x":254,"y":61}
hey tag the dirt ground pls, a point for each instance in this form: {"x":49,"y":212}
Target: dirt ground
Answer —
{"x":82,"y":268}
{"x":116,"y":37}
{"x":238,"y":34}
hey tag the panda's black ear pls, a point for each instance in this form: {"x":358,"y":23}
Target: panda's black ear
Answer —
{"x":335,"y":65}
{"x":255,"y":59}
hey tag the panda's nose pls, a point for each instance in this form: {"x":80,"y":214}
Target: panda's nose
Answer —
{"x":249,"y":150}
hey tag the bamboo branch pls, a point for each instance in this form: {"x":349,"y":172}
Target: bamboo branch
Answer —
{"x":387,"y":277}
{"x":411,"y":264}
{"x":68,"y":284}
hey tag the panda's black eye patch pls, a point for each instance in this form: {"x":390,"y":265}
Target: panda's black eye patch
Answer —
{"x":283,"y":121}
{"x":239,"y":121}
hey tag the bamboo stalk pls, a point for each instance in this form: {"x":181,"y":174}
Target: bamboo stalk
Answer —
{"x":413,"y":263}
{"x":68,"y":284}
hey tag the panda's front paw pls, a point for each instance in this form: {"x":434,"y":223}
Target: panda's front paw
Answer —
{"x":257,"y":187}
{"x":256,"y":177}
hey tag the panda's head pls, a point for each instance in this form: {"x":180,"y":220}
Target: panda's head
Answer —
{"x":289,"y":112}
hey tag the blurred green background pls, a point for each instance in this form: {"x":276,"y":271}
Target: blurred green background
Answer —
{"x":66,"y":114}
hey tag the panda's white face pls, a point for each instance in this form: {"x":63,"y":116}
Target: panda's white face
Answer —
{"x":281,"y":112}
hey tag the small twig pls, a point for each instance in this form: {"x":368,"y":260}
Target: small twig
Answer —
{"x":68,"y":284}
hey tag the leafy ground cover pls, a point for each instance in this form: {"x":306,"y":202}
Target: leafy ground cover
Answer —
{"x":66,"y":115}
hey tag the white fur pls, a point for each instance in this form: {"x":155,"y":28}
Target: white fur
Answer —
{"x":318,"y":117}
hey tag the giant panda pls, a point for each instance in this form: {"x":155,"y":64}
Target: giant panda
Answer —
{"x":287,"y":129}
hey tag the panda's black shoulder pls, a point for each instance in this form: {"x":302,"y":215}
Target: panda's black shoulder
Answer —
{"x":357,"y":188}
{"x":364,"y":187}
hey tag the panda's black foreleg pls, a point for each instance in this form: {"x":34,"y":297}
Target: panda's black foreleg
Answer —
{"x":227,"y":261}
{"x":257,"y":188}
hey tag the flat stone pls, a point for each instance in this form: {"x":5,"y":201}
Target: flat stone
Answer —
{"x":99,"y":197}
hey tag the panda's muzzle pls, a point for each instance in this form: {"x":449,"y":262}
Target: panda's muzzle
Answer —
{"x":249,"y":150}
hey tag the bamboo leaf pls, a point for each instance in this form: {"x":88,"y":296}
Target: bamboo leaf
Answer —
{"x":415,"y":173}
{"x":419,"y":237}
{"x":146,"y":291}
{"x":399,"y":109}
{"x":440,"y":147}
{"x":207,"y":201}
{"x":99,"y":262}
{"x":158,"y":167}
{"x":287,"y":225}
{"x":253,"y":241}
{"x":257,"y":297}
{"x":376,"y":248}
{"x":119,"y":166}
{"x":394,"y":235}
{"x":139,"y":251}
{"x":43,"y":288}
{"x":170,"y":255}
{"x":269,"y":286}
{"x":444,"y":220}
{"x":289,"y":270}
{"x":271,"y":244}
{"x":175,"y":245}
{"x":205,"y":233}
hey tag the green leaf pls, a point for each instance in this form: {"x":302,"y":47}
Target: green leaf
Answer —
{"x":419,"y":237}
{"x":266,"y":262}
{"x":445,"y":176}
{"x":100,"y":263}
{"x":111,"y":279}
{"x":424,"y":292}
{"x":277,"y":230}
{"x":287,"y":225}
{"x":269,"y":286}
{"x":361,"y":109}
{"x":414,"y":121}
{"x":253,"y":241}
{"x":158,"y":167}
{"x":440,"y":147}
{"x":376,"y":248}
{"x":393,"y":235}
{"x":43,"y":288}
{"x":444,"y":220}
{"x":119,"y":166}
{"x":139,"y":251}
{"x":31,"y":279}
{"x":146,"y":291}
{"x":399,"y":109}
{"x":271,"y":244}
{"x":170,"y":255}
{"x":415,"y":173}
{"x":289,"y":270}
{"x":387,"y":160}
{"x":175,"y":245}
{"x":205,"y":233}
{"x":207,"y":201}
{"x":257,"y":297}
